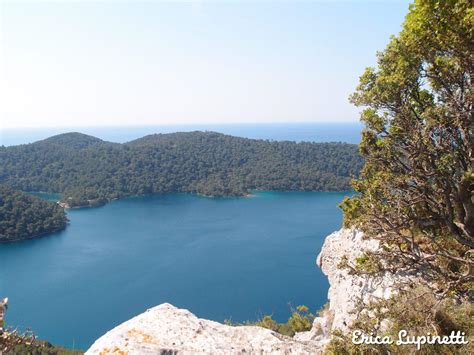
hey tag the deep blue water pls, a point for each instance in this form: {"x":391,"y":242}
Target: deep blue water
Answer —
{"x":317,"y":132}
{"x":234,"y":258}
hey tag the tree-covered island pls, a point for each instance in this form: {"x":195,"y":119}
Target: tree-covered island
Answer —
{"x":87,"y":171}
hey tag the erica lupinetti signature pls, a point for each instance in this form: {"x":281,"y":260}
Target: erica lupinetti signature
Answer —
{"x":456,"y":337}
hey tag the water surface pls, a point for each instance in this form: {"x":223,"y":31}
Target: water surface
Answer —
{"x":234,"y":258}
{"x":348,"y":132}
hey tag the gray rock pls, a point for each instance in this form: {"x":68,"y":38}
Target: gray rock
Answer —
{"x":166,"y":329}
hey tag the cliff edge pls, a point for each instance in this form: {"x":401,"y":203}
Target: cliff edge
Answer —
{"x":166,"y":329}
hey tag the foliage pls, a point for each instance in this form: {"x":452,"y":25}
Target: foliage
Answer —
{"x":300,"y":320}
{"x":368,"y":263}
{"x":415,"y":310}
{"x":23,"y":216}
{"x":40,"y":347}
{"x":88,"y":171}
{"x":14,"y":342}
{"x":416,"y":187}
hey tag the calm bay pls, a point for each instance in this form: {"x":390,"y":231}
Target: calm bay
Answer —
{"x":227,"y":258}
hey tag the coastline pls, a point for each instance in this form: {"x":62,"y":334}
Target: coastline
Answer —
{"x":44,"y":234}
{"x":251,"y":194}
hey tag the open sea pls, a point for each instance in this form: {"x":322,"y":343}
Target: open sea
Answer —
{"x":315,"y":132}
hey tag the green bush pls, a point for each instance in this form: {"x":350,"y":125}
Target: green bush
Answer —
{"x":300,"y":320}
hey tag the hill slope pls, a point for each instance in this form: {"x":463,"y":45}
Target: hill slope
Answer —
{"x":23,"y":216}
{"x":87,"y":171}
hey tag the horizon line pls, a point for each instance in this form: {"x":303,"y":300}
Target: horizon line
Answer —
{"x":182,"y":124}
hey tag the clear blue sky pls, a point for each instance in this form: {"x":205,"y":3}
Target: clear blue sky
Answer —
{"x":72,"y":63}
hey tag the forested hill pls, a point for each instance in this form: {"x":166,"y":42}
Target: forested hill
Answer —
{"x":88,"y":171}
{"x":23,"y":216}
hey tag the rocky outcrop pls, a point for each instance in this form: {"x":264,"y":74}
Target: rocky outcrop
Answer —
{"x":346,"y":289}
{"x":166,"y":329}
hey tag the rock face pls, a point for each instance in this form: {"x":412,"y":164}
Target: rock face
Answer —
{"x":346,"y":289}
{"x":166,"y":329}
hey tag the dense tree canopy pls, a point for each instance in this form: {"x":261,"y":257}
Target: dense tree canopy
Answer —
{"x":88,"y":171}
{"x":23,"y":216}
{"x":416,"y":188}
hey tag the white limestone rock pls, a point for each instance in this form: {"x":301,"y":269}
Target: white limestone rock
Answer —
{"x":166,"y":329}
{"x":346,"y":289}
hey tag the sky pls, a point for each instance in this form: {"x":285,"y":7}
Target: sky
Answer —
{"x":99,"y":63}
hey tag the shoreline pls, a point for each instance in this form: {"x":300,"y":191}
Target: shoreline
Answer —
{"x":255,"y":192}
{"x":44,"y":234}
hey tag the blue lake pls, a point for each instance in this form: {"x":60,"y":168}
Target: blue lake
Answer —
{"x":234,"y":259}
